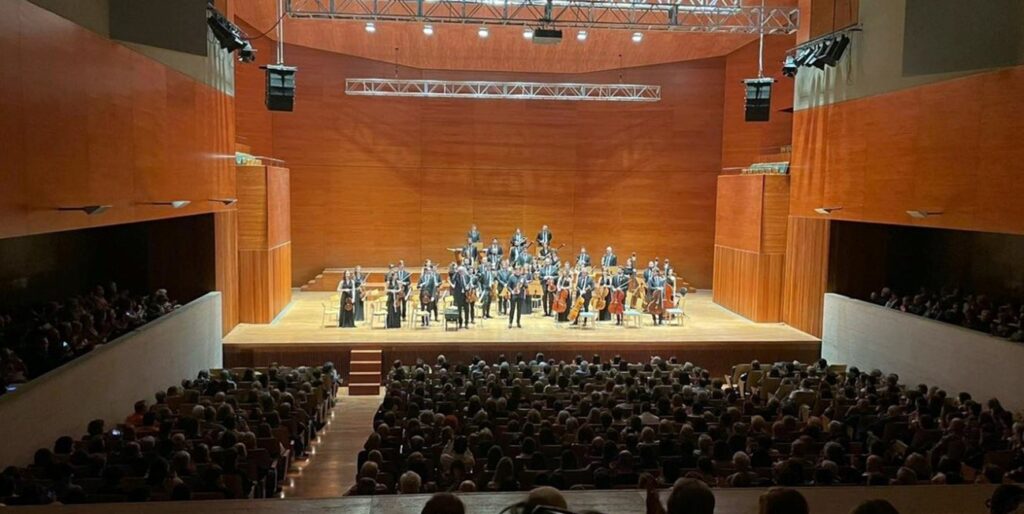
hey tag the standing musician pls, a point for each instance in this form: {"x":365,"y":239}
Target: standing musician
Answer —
{"x":606,"y":282}
{"x":649,"y":272}
{"x":469,"y":252}
{"x":548,"y":274}
{"x":517,"y":287}
{"x":494,"y":253}
{"x":584,"y":286}
{"x":406,"y":279}
{"x":517,"y":239}
{"x":527,"y":278}
{"x":347,"y":290}
{"x":360,"y":280}
{"x":523,"y":258}
{"x":630,"y":268}
{"x":609,"y":259}
{"x":667,"y":268}
{"x":503,"y":276}
{"x":484,"y":280}
{"x":656,"y":282}
{"x":544,"y":237}
{"x":394,"y":289}
{"x":583,"y":259}
{"x":475,"y":288}
{"x":428,"y":285}
{"x":473,"y":235}
{"x":620,"y":282}
{"x":461,"y":283}
{"x":565,"y":283}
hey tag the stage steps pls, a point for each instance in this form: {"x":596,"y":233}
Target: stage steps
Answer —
{"x":364,"y":375}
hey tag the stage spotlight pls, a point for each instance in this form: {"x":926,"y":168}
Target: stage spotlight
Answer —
{"x":821,"y":50}
{"x":581,"y":36}
{"x":247,"y":53}
{"x":836,"y":50}
{"x":428,"y":30}
{"x":803,"y":55}
{"x":228,"y":34}
{"x":527,"y":33}
{"x":370,"y":27}
{"x":483,"y":32}
{"x":638,"y":37}
{"x":789,"y":66}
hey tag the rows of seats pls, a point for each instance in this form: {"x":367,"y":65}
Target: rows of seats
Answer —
{"x":228,"y":433}
{"x":604,"y":424}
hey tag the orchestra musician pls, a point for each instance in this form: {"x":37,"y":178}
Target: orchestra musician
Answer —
{"x":606,"y":282}
{"x":656,"y":282}
{"x":484,"y":279}
{"x":583,"y":259}
{"x":473,"y":235}
{"x":649,"y":272}
{"x":609,"y":259}
{"x":517,"y":288}
{"x":523,"y":258}
{"x":620,"y":282}
{"x":544,"y":237}
{"x":494,"y":253}
{"x":548,"y":272}
{"x":406,"y":279}
{"x":461,"y":283}
{"x":517,"y":239}
{"x":394,"y":289}
{"x":428,"y":285}
{"x":527,"y":279}
{"x":583,"y":286}
{"x":469,"y":252}
{"x":503,"y":276}
{"x":360,"y":281}
{"x":475,"y":287}
{"x":565,"y":283}
{"x":347,"y":295}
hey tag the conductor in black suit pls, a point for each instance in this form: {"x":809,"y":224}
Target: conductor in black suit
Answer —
{"x":461,"y":284}
{"x":517,"y":296}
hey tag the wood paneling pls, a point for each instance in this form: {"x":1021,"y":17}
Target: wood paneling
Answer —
{"x":774,"y":213}
{"x":458,"y":47}
{"x":264,"y":246}
{"x":818,"y":17}
{"x":806,"y":273}
{"x":374,"y":180}
{"x":264,"y":283}
{"x":749,"y":283}
{"x":738,"y":212}
{"x":743,"y":142}
{"x":226,"y":255}
{"x":947,"y":146}
{"x":87,"y":121}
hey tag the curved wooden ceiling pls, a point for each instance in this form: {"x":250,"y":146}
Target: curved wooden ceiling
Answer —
{"x":457,"y":47}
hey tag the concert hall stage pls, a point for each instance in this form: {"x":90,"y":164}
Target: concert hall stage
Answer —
{"x":711,"y":336}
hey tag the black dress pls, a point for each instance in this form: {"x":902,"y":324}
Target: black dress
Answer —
{"x":347,"y":318}
{"x":359,"y":299}
{"x":394,"y":319}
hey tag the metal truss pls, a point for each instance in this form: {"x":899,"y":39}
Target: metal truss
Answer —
{"x":672,"y":15}
{"x":504,"y":90}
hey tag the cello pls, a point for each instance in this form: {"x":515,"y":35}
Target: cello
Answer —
{"x":577,"y":305}
{"x":616,"y":299}
{"x":561,"y":301}
{"x":636,"y":292}
{"x":656,"y":305}
{"x":599,"y":302}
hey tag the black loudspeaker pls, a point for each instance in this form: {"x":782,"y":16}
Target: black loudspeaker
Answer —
{"x":758,"y":99}
{"x":280,"y":87}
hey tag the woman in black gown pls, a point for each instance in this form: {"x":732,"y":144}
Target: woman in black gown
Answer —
{"x":347,"y":314}
{"x":394,"y":290}
{"x":359,"y":279}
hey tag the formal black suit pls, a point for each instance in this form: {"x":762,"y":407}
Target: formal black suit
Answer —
{"x":429,"y":283}
{"x":609,"y":260}
{"x":517,"y":298}
{"x":473,"y":235}
{"x":502,"y":276}
{"x":460,"y":286}
{"x":584,"y":285}
{"x":406,"y":280}
{"x":494,"y":254}
{"x":544,"y":237}
{"x":484,"y":279}
{"x":583,"y":258}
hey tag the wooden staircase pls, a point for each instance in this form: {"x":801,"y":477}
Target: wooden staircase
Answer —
{"x":364,"y":374}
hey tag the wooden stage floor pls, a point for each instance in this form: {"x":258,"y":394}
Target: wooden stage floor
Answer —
{"x":710,"y":333}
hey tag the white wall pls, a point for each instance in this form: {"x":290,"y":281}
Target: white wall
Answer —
{"x":922,"y":350}
{"x":105,"y":383}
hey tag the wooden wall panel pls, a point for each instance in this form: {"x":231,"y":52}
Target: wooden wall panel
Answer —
{"x":87,"y":121}
{"x":749,"y":283}
{"x":774,"y":213}
{"x":374,"y":180}
{"x":254,"y":287}
{"x":226,"y":255}
{"x":280,"y":258}
{"x":806,"y":274}
{"x":739,"y":212}
{"x":818,"y":17}
{"x":946,"y":146}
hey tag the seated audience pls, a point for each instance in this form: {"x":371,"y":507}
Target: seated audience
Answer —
{"x":974,"y":311}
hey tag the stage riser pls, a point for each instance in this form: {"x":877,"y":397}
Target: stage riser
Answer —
{"x":718,"y":356}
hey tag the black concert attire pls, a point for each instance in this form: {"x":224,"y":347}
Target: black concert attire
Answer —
{"x":584,"y":285}
{"x":619,"y":282}
{"x":565,"y":283}
{"x":394,"y":290}
{"x":502,"y":276}
{"x":603,"y":314}
{"x":406,"y":280}
{"x":544,"y":238}
{"x":484,"y":279}
{"x":523,"y":258}
{"x":429,"y":284}
{"x":609,"y":260}
{"x":347,"y":318}
{"x":474,"y":286}
{"x":469,"y":253}
{"x":517,"y":291}
{"x":648,"y":273}
{"x":494,"y":254}
{"x":583,"y":259}
{"x":460,"y":286}
{"x":656,"y":283}
{"x":359,"y":279}
{"x":517,"y":240}
{"x":473,"y":235}
{"x":526,"y":280}
{"x":549,"y":272}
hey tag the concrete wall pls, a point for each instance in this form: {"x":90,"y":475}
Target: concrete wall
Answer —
{"x":108,"y":381}
{"x":922,"y":350}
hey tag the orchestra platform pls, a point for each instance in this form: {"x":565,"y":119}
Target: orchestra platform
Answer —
{"x":710,"y":335}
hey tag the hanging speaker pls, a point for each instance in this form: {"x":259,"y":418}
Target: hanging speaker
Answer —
{"x":758,"y":99}
{"x":280,"y":87}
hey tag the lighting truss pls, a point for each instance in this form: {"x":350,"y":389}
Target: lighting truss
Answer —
{"x":503,"y":90}
{"x":672,"y":15}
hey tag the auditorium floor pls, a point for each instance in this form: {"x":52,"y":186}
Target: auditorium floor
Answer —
{"x":301,"y":322}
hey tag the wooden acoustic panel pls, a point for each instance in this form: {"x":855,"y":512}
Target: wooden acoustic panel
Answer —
{"x":226,"y":240}
{"x":749,"y":283}
{"x":946,"y":147}
{"x":375,"y":180}
{"x":739,"y":211}
{"x":87,"y":121}
{"x":806,"y":274}
{"x":264,"y":283}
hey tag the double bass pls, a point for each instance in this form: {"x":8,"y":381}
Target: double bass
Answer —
{"x":656,"y":304}
{"x":598,"y":302}
{"x":637,"y":292}
{"x":615,"y":305}
{"x":561,"y":301}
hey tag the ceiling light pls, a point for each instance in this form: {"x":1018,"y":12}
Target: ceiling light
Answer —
{"x":527,"y":33}
{"x":581,"y":35}
{"x":483,"y":32}
{"x":638,"y":37}
{"x":428,"y":30}
{"x":370,"y":27}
